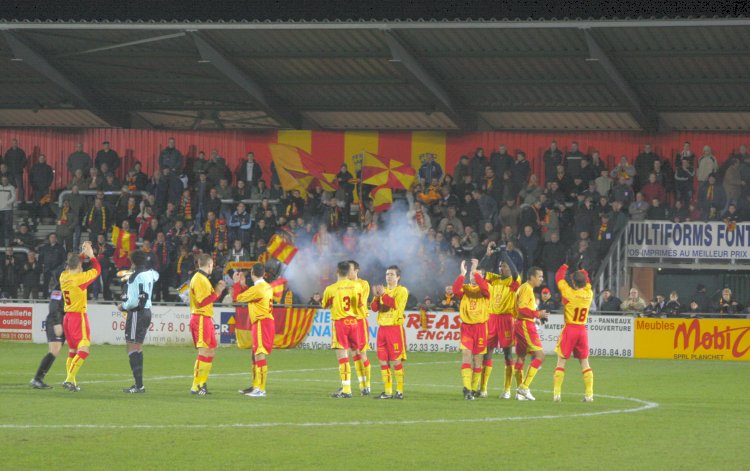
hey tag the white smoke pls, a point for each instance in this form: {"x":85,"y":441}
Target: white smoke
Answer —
{"x":397,"y":242}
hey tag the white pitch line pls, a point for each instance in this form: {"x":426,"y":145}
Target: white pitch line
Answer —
{"x":644,"y":405}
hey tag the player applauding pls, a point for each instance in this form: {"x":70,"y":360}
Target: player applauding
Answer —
{"x":74,"y":283}
{"x":574,"y":338}
{"x":527,"y":338}
{"x":389,"y":302}
{"x":474,"y":313}
{"x":361,"y":363}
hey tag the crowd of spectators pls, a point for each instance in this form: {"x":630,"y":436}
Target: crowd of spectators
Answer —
{"x":188,"y":206}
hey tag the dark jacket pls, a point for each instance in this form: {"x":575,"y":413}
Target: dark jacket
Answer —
{"x":107,"y":157}
{"x":15,"y":159}
{"x":242,"y":172}
{"x":41,"y":177}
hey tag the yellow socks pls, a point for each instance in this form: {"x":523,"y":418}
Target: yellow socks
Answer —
{"x":398,"y":371}
{"x":557,"y":381}
{"x":588,"y":382}
{"x":385,"y":372}
{"x":368,"y":372}
{"x":466,"y":375}
{"x":518,"y":373}
{"x":535,"y":366}
{"x":202,"y":369}
{"x":75,"y":366}
{"x":360,"y":369}
{"x":508,"y":376}
{"x":476,"y":378}
{"x":486,"y":372}
{"x":345,"y":372}
{"x":261,"y":373}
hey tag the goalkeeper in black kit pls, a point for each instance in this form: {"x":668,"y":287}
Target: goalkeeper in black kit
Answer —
{"x":55,"y":335}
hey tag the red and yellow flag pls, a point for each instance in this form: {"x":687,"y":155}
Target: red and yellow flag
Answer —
{"x":278,"y":285}
{"x":297,"y":169}
{"x":281,"y":250}
{"x":292,"y":325}
{"x":124,"y":243}
{"x":382,"y":199}
{"x":377,"y":170}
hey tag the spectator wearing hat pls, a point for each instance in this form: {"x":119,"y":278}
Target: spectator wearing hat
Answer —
{"x":609,"y":303}
{"x":547,"y":302}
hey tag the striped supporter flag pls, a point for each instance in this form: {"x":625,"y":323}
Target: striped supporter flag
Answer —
{"x":281,"y":250}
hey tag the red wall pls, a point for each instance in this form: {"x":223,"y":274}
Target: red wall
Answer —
{"x":328,"y":146}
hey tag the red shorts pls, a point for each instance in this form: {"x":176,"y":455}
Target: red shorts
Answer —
{"x":77,"y":330}
{"x":527,"y":339}
{"x":574,"y":339}
{"x":391,"y":343}
{"x":202,"y":328}
{"x":264,"y":331}
{"x":500,"y":331}
{"x":346,"y":333}
{"x":474,"y":338}
{"x":364,"y":335}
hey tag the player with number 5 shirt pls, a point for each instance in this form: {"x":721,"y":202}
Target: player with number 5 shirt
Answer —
{"x":574,"y":338}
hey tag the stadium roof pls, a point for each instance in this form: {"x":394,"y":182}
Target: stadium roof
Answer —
{"x":570,"y":74}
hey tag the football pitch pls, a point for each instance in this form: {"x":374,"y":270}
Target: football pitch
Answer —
{"x":648,"y":414}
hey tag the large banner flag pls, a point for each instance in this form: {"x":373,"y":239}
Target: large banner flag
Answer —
{"x":279,"y":286}
{"x":382,"y":199}
{"x":281,"y":250}
{"x":297,"y":169}
{"x":377,"y":170}
{"x":292,"y":325}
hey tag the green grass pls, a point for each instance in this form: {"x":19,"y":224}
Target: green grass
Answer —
{"x":701,"y":421}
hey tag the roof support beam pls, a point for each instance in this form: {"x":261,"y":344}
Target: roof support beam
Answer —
{"x":425,"y":81}
{"x":37,"y":62}
{"x":644,"y":115}
{"x":287,"y":118}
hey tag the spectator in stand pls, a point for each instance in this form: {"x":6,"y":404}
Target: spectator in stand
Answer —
{"x":23,"y":238}
{"x":573,"y":160}
{"x":700,"y":298}
{"x":553,"y":257}
{"x":430,"y":170}
{"x":530,"y":244}
{"x":31,"y":277}
{"x":586,"y":173}
{"x":728,"y":304}
{"x":731,"y":216}
{"x":664,"y":175}
{"x":644,"y":165}
{"x":510,"y":215}
{"x":706,"y":165}
{"x":608,"y":304}
{"x":345,"y":191}
{"x":603,"y":236}
{"x":683,"y":178}
{"x":238,"y":253}
{"x":657,"y":211}
{"x":107,"y":156}
{"x":634,"y":304}
{"x":240,"y":225}
{"x":565,"y":183}
{"x":224,"y":190}
{"x":7,"y":200}
{"x":546,"y":301}
{"x":552,"y":158}
{"x":11,"y":274}
{"x":41,"y":177}
{"x":673,"y":308}
{"x":94,"y":181}
{"x":15,"y":159}
{"x":66,"y":225}
{"x":487,"y":205}
{"x":79,"y":160}
{"x":597,"y":164}
{"x":686,"y":154}
{"x":623,"y":170}
{"x":532,"y":191}
{"x":448,"y":301}
{"x":182,"y":267}
{"x":462,"y":169}
{"x":152,"y":230}
{"x":679,"y":213}
{"x":732,"y":181}
{"x":492,"y":185}
{"x":639,"y":208}
{"x":171,"y":163}
{"x":652,"y":189}
{"x":501,"y":161}
{"x":103,"y":251}
{"x":249,"y":170}
{"x":585,"y":217}
{"x":522,"y":168}
{"x":516,"y":256}
{"x":162,"y":257}
{"x":451,"y":219}
{"x":77,"y":179}
{"x":217,"y":169}
{"x":469,"y":240}
{"x":99,"y":218}
{"x":711,"y":199}
{"x":469,"y":211}
{"x":52,"y":257}
{"x":477,"y":165}
{"x":652,"y":309}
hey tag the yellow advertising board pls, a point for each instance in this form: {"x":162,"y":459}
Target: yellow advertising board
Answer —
{"x":693,"y":339}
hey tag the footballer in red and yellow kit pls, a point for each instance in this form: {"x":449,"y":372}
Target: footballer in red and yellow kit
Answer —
{"x":527,"y":338}
{"x":202,"y":297}
{"x":390,"y":302}
{"x":344,"y":298}
{"x":574,"y":336}
{"x":474,"y":312}
{"x":359,"y":354}
{"x":503,"y":289}
{"x":74,"y":285}
{"x":260,"y":307}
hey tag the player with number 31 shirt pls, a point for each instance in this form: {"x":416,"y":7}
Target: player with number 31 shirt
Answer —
{"x":344,"y":298}
{"x":576,"y":296}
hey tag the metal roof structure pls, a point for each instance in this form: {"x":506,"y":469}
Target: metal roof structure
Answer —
{"x":641,"y":74}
